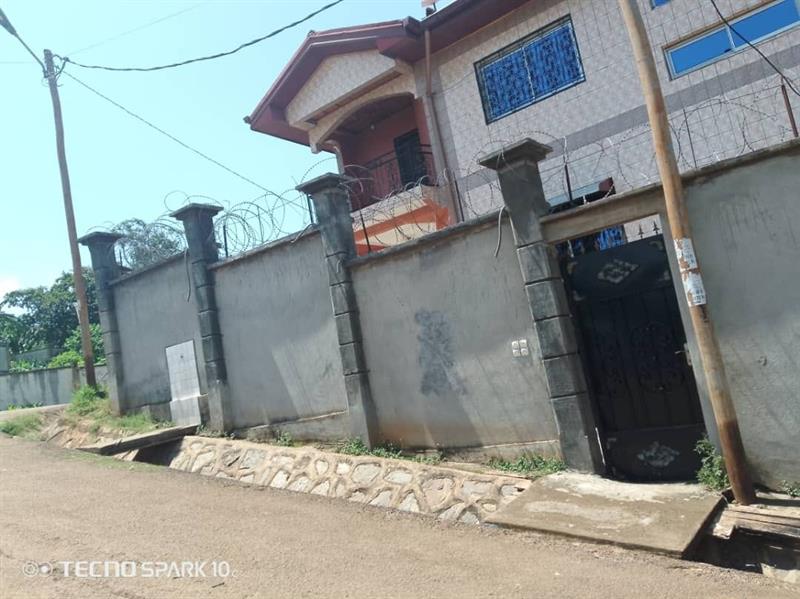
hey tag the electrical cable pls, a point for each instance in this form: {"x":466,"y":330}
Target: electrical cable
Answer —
{"x":135,"y":29}
{"x":783,"y":77}
{"x":165,"y":133}
{"x":6,"y":24}
{"x":212,"y":56}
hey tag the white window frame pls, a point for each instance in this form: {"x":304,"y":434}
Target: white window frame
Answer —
{"x":731,"y":36}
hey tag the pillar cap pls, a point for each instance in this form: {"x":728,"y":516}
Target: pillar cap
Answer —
{"x":185,"y":211}
{"x":526,"y":150}
{"x":321,"y":183}
{"x":96,"y":237}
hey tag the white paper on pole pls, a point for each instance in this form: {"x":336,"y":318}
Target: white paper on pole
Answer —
{"x":695,"y":291}
{"x":684,"y":251}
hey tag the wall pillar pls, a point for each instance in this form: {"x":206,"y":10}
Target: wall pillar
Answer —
{"x":106,"y":269}
{"x":5,"y":358}
{"x":332,"y":207}
{"x":198,"y":225}
{"x":517,"y":167}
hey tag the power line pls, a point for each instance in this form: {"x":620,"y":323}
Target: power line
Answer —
{"x":135,"y":29}
{"x":6,"y":24}
{"x":165,"y":133}
{"x":212,"y":56}
{"x":784,"y":78}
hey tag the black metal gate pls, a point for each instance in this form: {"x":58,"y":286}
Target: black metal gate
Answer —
{"x":633,"y":346}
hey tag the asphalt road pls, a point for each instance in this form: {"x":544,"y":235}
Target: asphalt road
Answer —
{"x":112,"y":529}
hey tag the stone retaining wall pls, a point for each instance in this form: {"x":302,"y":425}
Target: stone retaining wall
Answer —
{"x":447,"y":493}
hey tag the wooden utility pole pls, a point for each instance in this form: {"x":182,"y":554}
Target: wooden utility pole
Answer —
{"x":77,"y":272}
{"x":718,"y":392}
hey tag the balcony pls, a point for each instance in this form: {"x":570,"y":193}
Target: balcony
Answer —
{"x":390,"y":174}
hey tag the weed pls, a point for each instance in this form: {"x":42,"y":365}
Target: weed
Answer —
{"x":529,"y":465}
{"x":26,"y":425}
{"x":429,"y":458}
{"x":284,"y":439}
{"x":358,"y":447}
{"x":352,"y":447}
{"x":791,"y":488}
{"x":90,"y":404}
{"x":712,"y":471}
{"x":86,"y":401}
{"x":23,"y":406}
{"x":204,"y":431}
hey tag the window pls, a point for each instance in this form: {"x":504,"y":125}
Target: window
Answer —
{"x":529,"y":70}
{"x":716,"y":43}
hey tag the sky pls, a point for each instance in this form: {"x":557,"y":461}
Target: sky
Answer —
{"x":120,"y":168}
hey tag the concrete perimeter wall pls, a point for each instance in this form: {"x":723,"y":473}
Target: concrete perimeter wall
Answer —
{"x":279,"y":336}
{"x":438,"y":316}
{"x":438,"y":321}
{"x":46,"y":387}
{"x":154,"y":311}
{"x":746,"y":226}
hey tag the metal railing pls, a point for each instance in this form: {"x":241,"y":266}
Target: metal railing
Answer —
{"x":388,"y":175}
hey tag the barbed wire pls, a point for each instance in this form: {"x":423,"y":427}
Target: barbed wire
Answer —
{"x":385,"y":215}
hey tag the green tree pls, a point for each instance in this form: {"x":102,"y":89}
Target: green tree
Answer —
{"x":144,"y":244}
{"x":11,"y":332}
{"x":73,"y":351}
{"x":47,"y":314}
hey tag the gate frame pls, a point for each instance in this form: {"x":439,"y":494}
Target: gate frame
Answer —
{"x":536,"y":233}
{"x":631,"y":206}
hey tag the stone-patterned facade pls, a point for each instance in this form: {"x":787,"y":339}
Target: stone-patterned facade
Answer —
{"x":732,"y":105}
{"x":446,"y":493}
{"x":599,"y":127}
{"x":335,"y":78}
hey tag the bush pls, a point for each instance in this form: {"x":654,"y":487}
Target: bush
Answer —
{"x":66,"y":359}
{"x":24,"y":366}
{"x":88,"y":401}
{"x":712,"y":471}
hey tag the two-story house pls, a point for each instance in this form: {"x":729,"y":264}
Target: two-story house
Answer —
{"x":409,"y":105}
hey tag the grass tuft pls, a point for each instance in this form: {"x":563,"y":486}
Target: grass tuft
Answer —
{"x":358,"y":447}
{"x":529,"y":465}
{"x":92,"y":405}
{"x":712,"y":473}
{"x":26,"y":425}
{"x":791,"y":488}
{"x":284,"y":439}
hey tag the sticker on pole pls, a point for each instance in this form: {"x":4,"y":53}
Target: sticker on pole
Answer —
{"x":684,"y":251}
{"x":693,"y":286}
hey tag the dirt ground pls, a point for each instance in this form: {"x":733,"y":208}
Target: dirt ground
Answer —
{"x":63,"y":509}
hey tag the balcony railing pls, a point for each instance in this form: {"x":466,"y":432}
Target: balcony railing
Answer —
{"x":389,"y":175}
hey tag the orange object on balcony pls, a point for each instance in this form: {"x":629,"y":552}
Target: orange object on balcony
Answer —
{"x":404,"y":217}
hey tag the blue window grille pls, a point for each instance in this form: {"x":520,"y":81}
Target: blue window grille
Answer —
{"x":609,"y":238}
{"x":753,"y":27}
{"x":530,"y":70}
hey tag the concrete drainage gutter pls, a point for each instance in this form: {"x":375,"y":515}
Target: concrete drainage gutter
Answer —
{"x":439,"y":491}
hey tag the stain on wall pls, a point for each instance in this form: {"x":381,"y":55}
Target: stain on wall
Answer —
{"x":436,"y":358}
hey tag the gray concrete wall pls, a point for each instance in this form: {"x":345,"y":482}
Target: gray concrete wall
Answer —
{"x":438,"y":322}
{"x":279,"y":335}
{"x":153,"y":313}
{"x":746,"y":226}
{"x":47,"y":387}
